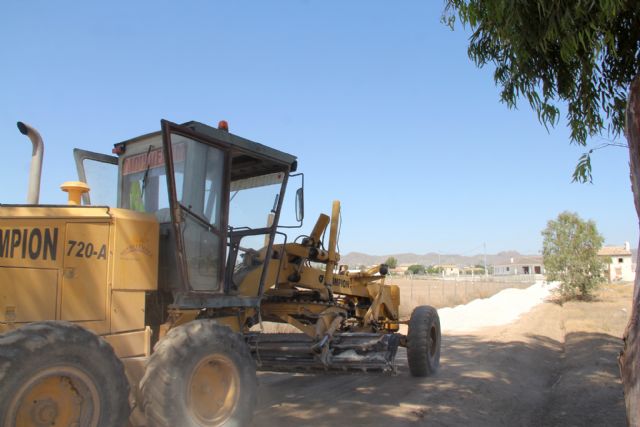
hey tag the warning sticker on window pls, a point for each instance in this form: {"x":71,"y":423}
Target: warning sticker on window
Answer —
{"x":154,"y":158}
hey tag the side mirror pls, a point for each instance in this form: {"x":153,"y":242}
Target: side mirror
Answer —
{"x":300,"y":204}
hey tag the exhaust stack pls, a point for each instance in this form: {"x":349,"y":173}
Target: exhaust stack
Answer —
{"x":33,"y":193}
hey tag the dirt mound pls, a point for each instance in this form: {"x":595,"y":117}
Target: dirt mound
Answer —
{"x":502,"y":308}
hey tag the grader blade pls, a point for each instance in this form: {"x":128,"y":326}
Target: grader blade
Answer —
{"x":362,"y":352}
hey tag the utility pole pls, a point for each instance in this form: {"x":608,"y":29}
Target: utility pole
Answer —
{"x":486,"y":272}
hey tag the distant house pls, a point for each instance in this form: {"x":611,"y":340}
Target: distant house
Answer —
{"x":449,"y":269}
{"x":400,"y":269}
{"x":618,"y":263}
{"x":524,"y":265}
{"x":469,"y":270}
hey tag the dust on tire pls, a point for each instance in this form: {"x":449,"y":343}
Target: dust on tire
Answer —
{"x":182,"y":352}
{"x":51,"y":352}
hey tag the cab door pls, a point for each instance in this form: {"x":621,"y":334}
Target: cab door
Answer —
{"x":198,"y":186}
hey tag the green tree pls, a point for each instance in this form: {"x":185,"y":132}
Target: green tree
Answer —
{"x":550,"y":52}
{"x":570,"y":254}
{"x":391,"y":262}
{"x":582,"y":54}
{"x":434,"y":269}
{"x":416,"y":269}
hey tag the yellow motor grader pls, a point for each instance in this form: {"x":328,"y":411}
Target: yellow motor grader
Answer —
{"x":143,"y":309}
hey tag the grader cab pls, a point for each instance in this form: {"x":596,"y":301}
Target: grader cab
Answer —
{"x":144,"y":305}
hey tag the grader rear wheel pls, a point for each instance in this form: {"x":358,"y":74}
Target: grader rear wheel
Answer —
{"x":59,"y":374}
{"x":423,"y":341}
{"x":200,"y":375}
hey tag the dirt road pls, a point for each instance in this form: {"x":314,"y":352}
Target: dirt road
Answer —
{"x":555,"y":366}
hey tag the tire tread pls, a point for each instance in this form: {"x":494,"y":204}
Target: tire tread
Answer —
{"x":158,"y":385}
{"x":24,"y":350}
{"x":421,"y":363}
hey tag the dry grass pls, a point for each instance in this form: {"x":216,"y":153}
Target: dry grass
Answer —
{"x":601,"y":293}
{"x":608,"y":312}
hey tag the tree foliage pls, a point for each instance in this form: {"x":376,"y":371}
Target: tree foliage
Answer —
{"x":391,"y":262}
{"x":476,"y":269}
{"x":570,"y":253}
{"x":434,"y":269}
{"x":416,"y":269}
{"x":582,"y":53}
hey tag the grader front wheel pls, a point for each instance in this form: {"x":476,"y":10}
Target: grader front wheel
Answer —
{"x":200,"y":375}
{"x":59,"y":374}
{"x":423,"y":341}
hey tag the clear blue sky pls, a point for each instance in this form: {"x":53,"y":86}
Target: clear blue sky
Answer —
{"x":378,"y":100}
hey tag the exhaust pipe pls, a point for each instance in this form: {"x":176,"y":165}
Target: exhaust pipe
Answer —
{"x":33,"y":193}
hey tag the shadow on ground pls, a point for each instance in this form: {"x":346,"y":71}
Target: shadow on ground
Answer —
{"x":535,"y":382}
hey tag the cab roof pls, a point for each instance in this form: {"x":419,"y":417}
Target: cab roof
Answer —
{"x":243,"y":161}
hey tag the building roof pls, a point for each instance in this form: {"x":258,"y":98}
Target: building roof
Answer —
{"x":614,"y":251}
{"x":528,"y":260}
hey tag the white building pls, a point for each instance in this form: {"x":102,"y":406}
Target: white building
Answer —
{"x":525,"y":265}
{"x":618,"y":263}
{"x":449,"y":269}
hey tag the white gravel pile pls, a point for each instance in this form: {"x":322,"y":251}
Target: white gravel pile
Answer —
{"x":501,"y":309}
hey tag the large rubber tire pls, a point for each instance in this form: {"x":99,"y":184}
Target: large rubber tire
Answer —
{"x":423,"y":341}
{"x":200,"y":375}
{"x":58,"y":373}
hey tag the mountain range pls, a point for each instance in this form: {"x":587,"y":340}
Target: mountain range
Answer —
{"x":356,"y":259}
